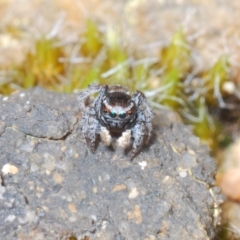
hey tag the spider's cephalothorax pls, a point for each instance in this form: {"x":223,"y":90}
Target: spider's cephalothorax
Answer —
{"x":114,"y":112}
{"x":118,"y":111}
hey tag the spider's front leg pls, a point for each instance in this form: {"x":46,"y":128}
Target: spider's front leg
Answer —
{"x":84,"y":96}
{"x":142,"y":129}
{"x":139,"y":136}
{"x":145,"y":113}
{"x":90,"y":128}
{"x":89,"y":108}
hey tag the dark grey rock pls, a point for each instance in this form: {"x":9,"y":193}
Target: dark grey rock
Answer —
{"x":53,"y":187}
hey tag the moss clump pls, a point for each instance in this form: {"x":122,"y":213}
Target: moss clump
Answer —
{"x":42,"y":66}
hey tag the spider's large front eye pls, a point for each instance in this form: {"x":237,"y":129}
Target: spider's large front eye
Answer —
{"x":122,"y":115}
{"x":113,"y":114}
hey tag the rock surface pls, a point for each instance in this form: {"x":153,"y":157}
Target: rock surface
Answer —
{"x":52,"y":187}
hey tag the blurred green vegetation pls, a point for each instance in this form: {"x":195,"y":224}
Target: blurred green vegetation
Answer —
{"x":100,"y":56}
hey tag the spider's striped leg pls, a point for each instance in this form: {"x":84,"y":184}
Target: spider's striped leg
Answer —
{"x":84,"y":96}
{"x":90,"y":129}
{"x":139,"y":136}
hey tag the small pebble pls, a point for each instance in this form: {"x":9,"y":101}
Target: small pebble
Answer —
{"x":133,"y":193}
{"x":142,"y":164}
{"x":182,"y":174}
{"x":57,"y":178}
{"x":9,"y":168}
{"x":10,"y":218}
{"x":72,"y":207}
{"x":135,"y":215}
{"x":119,"y":187}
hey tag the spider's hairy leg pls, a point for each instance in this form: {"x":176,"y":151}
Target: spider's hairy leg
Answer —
{"x":138,"y":133}
{"x":145,"y":112}
{"x":84,"y":96}
{"x":90,"y":129}
{"x":90,"y":110}
{"x":98,"y":102}
{"x":149,"y":131}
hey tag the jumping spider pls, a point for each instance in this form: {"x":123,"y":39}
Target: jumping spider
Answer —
{"x":115,"y":113}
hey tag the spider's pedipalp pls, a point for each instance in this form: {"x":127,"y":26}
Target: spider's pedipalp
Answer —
{"x":125,"y":140}
{"x":105,"y":136}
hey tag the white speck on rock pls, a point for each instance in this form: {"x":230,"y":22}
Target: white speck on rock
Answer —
{"x":166,"y":179}
{"x":72,"y":219}
{"x":104,"y":225}
{"x":142,"y":164}
{"x":30,"y":216}
{"x":182,"y":173}
{"x":133,"y":193}
{"x":94,"y":218}
{"x":27,"y":107}
{"x":10,"y":218}
{"x":9,"y":168}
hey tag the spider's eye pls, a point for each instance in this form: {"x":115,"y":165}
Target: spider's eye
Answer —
{"x":122,"y":115}
{"x":113,"y":114}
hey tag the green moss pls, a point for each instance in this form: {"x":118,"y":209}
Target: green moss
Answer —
{"x":176,"y":56}
{"x":42,"y":66}
{"x":214,"y":79}
{"x":205,"y":126}
{"x":92,"y":40}
{"x":175,"y":64}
